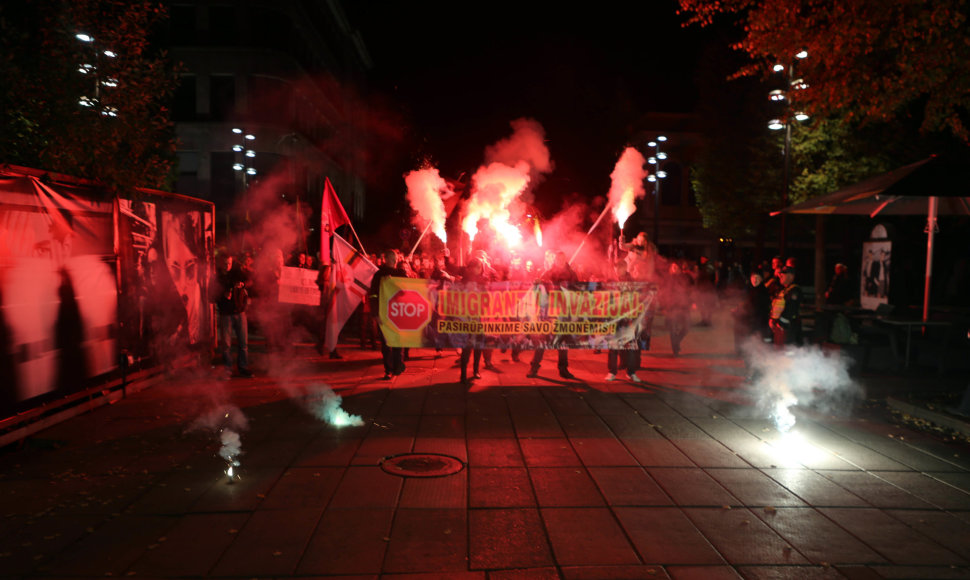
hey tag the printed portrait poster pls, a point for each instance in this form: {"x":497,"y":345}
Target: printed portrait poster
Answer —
{"x":874,"y":278}
{"x":58,"y":290}
{"x":164,"y":248}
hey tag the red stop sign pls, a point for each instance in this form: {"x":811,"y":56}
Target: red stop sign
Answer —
{"x":408,"y":310}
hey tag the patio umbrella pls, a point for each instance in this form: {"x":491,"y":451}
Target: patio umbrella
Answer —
{"x":933,"y":186}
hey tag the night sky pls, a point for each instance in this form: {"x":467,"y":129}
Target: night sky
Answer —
{"x":459,"y":72}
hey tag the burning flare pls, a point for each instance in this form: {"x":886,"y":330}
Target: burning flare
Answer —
{"x":500,"y":186}
{"x":804,"y":376}
{"x":495,"y":188}
{"x":627,"y":184}
{"x":324,"y":404}
{"x":426,"y":191}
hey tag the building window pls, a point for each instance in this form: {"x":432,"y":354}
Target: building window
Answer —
{"x":223,"y":180}
{"x":183,"y":108}
{"x":222,"y":97}
{"x":182,"y":25}
{"x":670,"y":189}
{"x":222,"y":26}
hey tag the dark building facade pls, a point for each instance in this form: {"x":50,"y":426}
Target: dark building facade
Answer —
{"x":263,"y":100}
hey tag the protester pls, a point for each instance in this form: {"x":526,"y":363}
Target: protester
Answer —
{"x":773,"y":276}
{"x":786,"y":322}
{"x":641,"y":257}
{"x":631,"y":358}
{"x":228,"y":293}
{"x":393,"y":358}
{"x":675,"y":299}
{"x":840,"y":291}
{"x":475,"y":273}
{"x":705,"y":295}
{"x":558,"y":273}
{"x":751,"y":315}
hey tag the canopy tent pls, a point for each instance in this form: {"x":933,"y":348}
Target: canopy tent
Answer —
{"x":936,"y":185}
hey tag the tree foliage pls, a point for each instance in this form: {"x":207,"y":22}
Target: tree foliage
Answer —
{"x":43,"y":124}
{"x":870,"y":60}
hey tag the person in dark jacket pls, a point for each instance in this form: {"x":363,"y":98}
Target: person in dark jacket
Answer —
{"x":393,"y":357}
{"x":631,"y":358}
{"x":228,"y":293}
{"x":675,"y":299}
{"x":752,"y":313}
{"x":560,"y":272}
{"x":476,"y":272}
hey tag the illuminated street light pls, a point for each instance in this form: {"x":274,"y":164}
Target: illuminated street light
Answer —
{"x":94,"y":70}
{"x":244,"y":155}
{"x":655,"y":177}
{"x":782,"y":96}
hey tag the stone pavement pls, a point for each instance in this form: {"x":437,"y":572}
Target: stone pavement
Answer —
{"x":678,"y":477}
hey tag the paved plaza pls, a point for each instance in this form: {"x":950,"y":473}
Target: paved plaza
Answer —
{"x":681,"y":476}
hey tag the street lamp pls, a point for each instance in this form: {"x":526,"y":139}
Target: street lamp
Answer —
{"x":100,"y":79}
{"x":786,"y":96}
{"x":245,"y":159}
{"x":655,"y":178}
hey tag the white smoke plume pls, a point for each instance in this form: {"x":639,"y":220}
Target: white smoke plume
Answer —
{"x":627,"y":184}
{"x":426,"y":193}
{"x":324,"y":404}
{"x":803,"y":376}
{"x":527,"y":143}
{"x":513,"y":166}
{"x":226,"y":420}
{"x":231,"y":444}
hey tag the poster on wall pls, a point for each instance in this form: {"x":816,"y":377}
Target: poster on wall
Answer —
{"x":85,"y":278}
{"x":163,"y":256}
{"x":876,"y":262}
{"x":58,"y":292}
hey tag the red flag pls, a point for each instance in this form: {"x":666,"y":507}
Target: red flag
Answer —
{"x":332,"y":213}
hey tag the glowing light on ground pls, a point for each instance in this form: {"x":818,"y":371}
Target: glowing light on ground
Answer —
{"x":231,"y":448}
{"x":805,"y":376}
{"x":325,"y":405}
{"x":793,"y":448}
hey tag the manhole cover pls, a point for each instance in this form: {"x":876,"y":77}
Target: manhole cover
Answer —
{"x":421,"y":465}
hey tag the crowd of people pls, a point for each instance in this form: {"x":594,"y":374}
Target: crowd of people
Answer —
{"x":769,"y":308}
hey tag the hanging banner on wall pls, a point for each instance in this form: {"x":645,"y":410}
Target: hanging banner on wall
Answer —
{"x":418,"y":313}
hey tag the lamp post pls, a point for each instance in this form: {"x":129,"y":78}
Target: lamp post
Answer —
{"x":101,"y":81}
{"x":655,"y":178}
{"x":784,"y":96}
{"x":245,"y":160}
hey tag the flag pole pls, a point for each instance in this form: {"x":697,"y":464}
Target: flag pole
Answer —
{"x":421,"y":237}
{"x":353,"y":231}
{"x":596,"y":223}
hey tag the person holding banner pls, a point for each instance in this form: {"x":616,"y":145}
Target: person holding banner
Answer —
{"x":631,"y":358}
{"x":393,"y":358}
{"x":560,"y":272}
{"x":476,"y":272}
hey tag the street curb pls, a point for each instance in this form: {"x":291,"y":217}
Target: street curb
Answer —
{"x":944,"y":420}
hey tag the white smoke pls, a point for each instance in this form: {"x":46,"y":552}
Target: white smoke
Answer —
{"x":426,"y":192}
{"x":324,"y":404}
{"x":226,"y":420}
{"x":804,"y":376}
{"x":500,"y":187}
{"x":627,"y":184}
{"x":231,"y":444}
